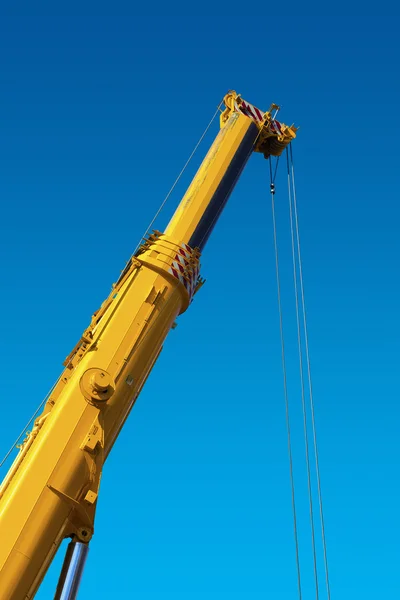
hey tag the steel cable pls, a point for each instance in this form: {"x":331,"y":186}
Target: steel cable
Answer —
{"x":307,"y":353}
{"x":28,"y":423}
{"x":179,"y":176}
{"x":285,"y":389}
{"x":302,"y":385}
{"x":148,"y":228}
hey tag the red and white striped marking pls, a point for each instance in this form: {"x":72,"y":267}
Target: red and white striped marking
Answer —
{"x":185,"y":250}
{"x":254,"y":113}
{"x":275,"y":127}
{"x":250,"y":111}
{"x":181,"y":269}
{"x":182,"y":260}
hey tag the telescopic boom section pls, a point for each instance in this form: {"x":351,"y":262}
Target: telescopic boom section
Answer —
{"x":51,"y":490}
{"x":244,"y":128}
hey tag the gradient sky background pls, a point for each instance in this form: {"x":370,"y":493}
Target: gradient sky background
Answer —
{"x":97,"y":117}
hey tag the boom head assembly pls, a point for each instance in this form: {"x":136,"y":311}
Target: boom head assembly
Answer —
{"x":273,"y":135}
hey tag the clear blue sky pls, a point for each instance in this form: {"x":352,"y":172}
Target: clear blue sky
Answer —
{"x":97,"y":117}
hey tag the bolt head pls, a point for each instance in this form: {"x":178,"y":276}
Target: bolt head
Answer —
{"x":100,"y":381}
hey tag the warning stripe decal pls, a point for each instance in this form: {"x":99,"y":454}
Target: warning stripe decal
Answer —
{"x":250,"y":111}
{"x":255,"y":113}
{"x":182,"y":270}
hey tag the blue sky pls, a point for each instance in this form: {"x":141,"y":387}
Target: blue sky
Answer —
{"x":98,"y":116}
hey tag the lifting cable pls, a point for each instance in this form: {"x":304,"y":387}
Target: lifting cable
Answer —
{"x":24,"y":430}
{"x":302,"y":330}
{"x":307,"y":355}
{"x":47,"y":396}
{"x":42,"y":403}
{"x":302,"y":385}
{"x":285,"y":388}
{"x":179,"y":176}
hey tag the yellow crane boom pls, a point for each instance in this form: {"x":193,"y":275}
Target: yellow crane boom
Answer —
{"x":51,"y":490}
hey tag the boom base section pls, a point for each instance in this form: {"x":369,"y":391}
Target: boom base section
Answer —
{"x":51,"y":491}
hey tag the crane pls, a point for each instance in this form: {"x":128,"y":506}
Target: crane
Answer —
{"x":51,"y":490}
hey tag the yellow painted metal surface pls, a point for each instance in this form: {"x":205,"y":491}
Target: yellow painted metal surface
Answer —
{"x":196,"y":200}
{"x":51,"y":490}
{"x":47,"y":499}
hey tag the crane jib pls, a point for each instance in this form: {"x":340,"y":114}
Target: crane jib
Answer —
{"x":51,"y":490}
{"x":224,"y":189}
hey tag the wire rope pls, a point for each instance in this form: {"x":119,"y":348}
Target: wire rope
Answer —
{"x":179,"y":176}
{"x":28,"y":423}
{"x":310,"y":385}
{"x":147,"y":230}
{"x":285,"y":389}
{"x":302,"y":383}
